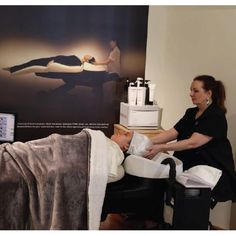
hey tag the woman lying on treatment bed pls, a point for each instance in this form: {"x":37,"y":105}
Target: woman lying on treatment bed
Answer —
{"x":50,"y":183}
{"x":61,"y":63}
{"x":56,"y":182}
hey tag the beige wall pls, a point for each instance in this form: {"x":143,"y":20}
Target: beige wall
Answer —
{"x":185,"y":41}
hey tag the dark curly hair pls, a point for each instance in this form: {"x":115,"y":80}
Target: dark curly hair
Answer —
{"x":217,"y":88}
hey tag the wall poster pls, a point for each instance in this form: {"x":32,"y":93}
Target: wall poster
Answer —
{"x":53,"y":65}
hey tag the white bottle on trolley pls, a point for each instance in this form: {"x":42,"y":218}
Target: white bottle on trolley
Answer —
{"x":141,"y":91}
{"x":132,"y":94}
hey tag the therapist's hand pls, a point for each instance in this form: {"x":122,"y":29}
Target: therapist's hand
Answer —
{"x":153,"y":150}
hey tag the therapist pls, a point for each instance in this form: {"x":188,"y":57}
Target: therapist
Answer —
{"x":113,"y":60}
{"x":202,"y":136}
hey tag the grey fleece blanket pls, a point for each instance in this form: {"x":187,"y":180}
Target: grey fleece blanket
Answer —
{"x":44,"y":183}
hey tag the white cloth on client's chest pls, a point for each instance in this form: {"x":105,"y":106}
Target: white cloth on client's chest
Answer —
{"x":115,"y":159}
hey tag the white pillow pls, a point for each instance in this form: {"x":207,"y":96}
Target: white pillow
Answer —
{"x":200,"y":176}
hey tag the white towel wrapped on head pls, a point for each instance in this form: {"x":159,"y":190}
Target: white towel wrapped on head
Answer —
{"x":139,"y":144}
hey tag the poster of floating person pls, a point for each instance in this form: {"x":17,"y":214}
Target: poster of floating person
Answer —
{"x":62,"y":68}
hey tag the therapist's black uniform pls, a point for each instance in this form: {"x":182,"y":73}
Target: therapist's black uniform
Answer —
{"x":216,"y":153}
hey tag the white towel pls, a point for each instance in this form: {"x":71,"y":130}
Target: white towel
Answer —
{"x":98,"y":177}
{"x":139,"y":144}
{"x":200,"y":176}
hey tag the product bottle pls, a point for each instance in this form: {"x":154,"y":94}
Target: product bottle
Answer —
{"x":141,"y":92}
{"x":125,"y":94}
{"x":151,"y":92}
{"x":147,"y":102}
{"x":132,"y":94}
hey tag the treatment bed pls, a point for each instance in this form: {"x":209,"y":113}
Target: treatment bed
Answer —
{"x":60,"y":182}
{"x":94,"y":79}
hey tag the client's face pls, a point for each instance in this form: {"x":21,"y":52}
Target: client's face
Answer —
{"x":122,"y":139}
